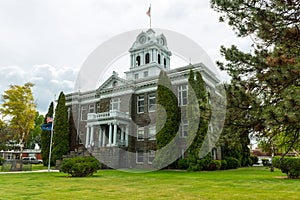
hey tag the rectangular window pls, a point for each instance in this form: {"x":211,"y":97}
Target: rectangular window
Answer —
{"x":151,"y":156}
{"x":182,"y":95}
{"x":152,"y":133}
{"x":140,"y":104}
{"x":91,"y":108}
{"x":83,"y":113}
{"x":140,"y":133}
{"x":152,"y":102}
{"x":115,"y":104}
{"x":184,"y":129}
{"x":136,"y":76}
{"x":145,"y":73}
{"x":139,"y":157}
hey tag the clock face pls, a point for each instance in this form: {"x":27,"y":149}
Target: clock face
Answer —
{"x":142,"y":39}
{"x":161,"y":41}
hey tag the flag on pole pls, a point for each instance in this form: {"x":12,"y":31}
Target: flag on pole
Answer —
{"x":47,"y":127}
{"x":49,"y":119}
{"x":149,"y":11}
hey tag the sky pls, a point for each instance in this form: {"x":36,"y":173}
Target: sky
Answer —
{"x":47,"y":41}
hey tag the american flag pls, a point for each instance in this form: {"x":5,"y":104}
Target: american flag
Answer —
{"x":149,"y":11}
{"x":49,"y":119}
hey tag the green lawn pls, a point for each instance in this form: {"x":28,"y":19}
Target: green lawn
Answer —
{"x":244,"y":183}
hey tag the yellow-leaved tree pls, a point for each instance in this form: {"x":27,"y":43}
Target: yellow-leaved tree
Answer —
{"x":19,"y":109}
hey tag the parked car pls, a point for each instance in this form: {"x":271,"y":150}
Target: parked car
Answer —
{"x":31,"y":160}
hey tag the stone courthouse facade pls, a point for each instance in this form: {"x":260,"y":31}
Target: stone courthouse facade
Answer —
{"x":116,"y":122}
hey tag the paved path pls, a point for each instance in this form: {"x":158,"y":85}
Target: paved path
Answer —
{"x":44,"y":170}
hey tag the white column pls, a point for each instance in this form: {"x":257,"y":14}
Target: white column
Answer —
{"x":103,"y":138}
{"x":126,"y":136}
{"x":109,"y":135}
{"x":92,"y":135}
{"x":115,"y":134}
{"x":87,"y":136}
{"x":122,"y":135}
{"x":100,"y":137}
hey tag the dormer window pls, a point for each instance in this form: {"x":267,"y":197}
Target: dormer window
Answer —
{"x":147,"y":58}
{"x":138,"y":61}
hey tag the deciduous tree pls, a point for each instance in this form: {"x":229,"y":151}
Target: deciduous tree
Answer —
{"x":19,"y":107}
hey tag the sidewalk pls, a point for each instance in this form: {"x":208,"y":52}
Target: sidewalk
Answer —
{"x":16,"y":172}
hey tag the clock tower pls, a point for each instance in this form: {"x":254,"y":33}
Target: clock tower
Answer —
{"x":149,"y":55}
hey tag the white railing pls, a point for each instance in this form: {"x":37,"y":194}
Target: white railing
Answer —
{"x":109,"y":114}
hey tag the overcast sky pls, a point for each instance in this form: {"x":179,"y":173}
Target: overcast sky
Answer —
{"x":47,"y":41}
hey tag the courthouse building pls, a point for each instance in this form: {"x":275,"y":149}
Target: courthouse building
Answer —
{"x":116,"y":122}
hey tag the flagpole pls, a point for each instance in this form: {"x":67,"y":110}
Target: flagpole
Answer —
{"x":51,"y":136}
{"x":150,"y":15}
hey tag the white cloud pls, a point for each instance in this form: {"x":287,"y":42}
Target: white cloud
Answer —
{"x":64,"y":32}
{"x":48,"y":80}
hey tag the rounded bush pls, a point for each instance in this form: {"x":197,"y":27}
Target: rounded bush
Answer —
{"x":288,"y":165}
{"x":223,"y":164}
{"x":80,"y":166}
{"x":214,"y":165}
{"x":232,"y":163}
{"x":1,"y":161}
{"x":183,"y":163}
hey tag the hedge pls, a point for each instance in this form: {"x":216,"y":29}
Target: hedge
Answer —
{"x":288,"y":165}
{"x":80,"y":166}
{"x":232,"y":163}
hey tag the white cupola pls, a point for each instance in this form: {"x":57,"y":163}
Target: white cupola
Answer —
{"x":149,"y":54}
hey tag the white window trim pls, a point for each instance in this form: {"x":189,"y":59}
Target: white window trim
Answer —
{"x":180,"y":96}
{"x":184,"y":124}
{"x":81,"y":113}
{"x":149,"y":153}
{"x":137,"y":155}
{"x":137,"y":133}
{"x":152,"y":128}
{"x":138,"y":100}
{"x":113,"y":101}
{"x":153,"y":97}
{"x":91,"y":107}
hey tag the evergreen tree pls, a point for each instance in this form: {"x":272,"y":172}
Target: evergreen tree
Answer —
{"x":238,"y":124}
{"x":167,"y":122}
{"x":198,"y":108}
{"x":45,"y":138}
{"x":61,"y":130}
{"x":271,"y":70}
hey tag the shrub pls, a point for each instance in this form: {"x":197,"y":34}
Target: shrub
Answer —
{"x":80,"y":166}
{"x":199,"y":164}
{"x":214,"y":165}
{"x":232,"y":163}
{"x":1,"y":161}
{"x":288,"y":165}
{"x":223,"y":164}
{"x":254,"y":159}
{"x":266,"y":162}
{"x":183,"y":163}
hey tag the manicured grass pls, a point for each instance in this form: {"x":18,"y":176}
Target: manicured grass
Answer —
{"x":243,"y":183}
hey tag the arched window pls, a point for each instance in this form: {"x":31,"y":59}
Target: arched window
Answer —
{"x":165,"y":63}
{"x":147,"y":58}
{"x":158,"y":58}
{"x":138,"y":61}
